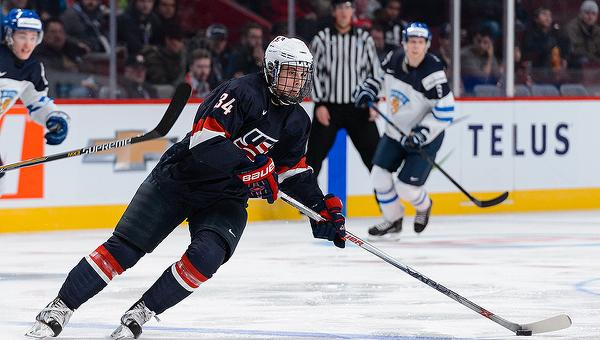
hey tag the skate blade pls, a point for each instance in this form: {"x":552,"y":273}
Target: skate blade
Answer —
{"x":122,"y":333}
{"x":39,"y":331}
{"x":392,"y":237}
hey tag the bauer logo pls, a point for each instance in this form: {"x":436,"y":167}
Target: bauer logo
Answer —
{"x":126,"y":157}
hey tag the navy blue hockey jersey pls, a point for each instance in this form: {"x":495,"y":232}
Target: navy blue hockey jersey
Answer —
{"x":236,"y":122}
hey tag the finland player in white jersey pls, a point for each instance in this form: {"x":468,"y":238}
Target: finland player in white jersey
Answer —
{"x":22,"y":76}
{"x":421,"y":105}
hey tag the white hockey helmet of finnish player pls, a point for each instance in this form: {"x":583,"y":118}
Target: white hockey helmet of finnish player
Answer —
{"x":21,"y":19}
{"x":418,"y":30}
{"x":295,"y":54}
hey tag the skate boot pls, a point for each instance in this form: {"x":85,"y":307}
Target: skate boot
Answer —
{"x":51,"y":320}
{"x":132,"y":321}
{"x":422,"y":218}
{"x":386,"y":230}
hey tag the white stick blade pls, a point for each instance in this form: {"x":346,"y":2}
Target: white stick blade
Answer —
{"x":552,"y":324}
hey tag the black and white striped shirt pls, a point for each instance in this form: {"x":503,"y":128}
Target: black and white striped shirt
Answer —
{"x":341,"y":62}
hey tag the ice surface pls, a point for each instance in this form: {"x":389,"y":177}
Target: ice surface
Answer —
{"x":283,"y":284}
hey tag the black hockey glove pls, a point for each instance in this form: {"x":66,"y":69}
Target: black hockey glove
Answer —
{"x":364,"y":94}
{"x":416,"y":139}
{"x":333,"y":228}
{"x":261,"y":179}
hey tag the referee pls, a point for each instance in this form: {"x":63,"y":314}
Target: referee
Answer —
{"x":343,"y":56}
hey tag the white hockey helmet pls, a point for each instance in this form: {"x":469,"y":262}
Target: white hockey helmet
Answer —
{"x":295,"y":54}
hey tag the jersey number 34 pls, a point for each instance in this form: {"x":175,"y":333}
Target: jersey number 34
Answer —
{"x":226,"y":106}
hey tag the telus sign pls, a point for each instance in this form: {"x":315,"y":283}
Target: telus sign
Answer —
{"x":536,"y":139}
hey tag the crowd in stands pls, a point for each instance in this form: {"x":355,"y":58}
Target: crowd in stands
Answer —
{"x":157,"y":48}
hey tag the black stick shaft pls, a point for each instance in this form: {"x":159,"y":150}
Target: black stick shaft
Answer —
{"x":180,"y":98}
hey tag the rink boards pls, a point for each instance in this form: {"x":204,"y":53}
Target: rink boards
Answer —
{"x":543,"y":151}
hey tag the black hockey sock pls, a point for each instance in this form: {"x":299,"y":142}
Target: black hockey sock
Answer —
{"x":164,"y":293}
{"x":81,"y":284}
{"x":201,"y":260}
{"x":95,"y":271}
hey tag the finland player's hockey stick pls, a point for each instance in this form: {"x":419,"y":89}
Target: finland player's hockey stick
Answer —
{"x":552,"y":324}
{"x":180,"y":98}
{"x":477,"y":202}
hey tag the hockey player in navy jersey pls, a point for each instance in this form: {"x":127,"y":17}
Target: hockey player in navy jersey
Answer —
{"x":421,"y":105}
{"x":22,"y":76}
{"x":248,"y":141}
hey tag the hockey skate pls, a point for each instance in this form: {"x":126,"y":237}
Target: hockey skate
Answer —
{"x":51,"y":320}
{"x":422,"y":218}
{"x":386,"y":231}
{"x":132,"y":321}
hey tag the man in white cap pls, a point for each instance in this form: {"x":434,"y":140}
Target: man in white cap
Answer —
{"x":584,"y":35}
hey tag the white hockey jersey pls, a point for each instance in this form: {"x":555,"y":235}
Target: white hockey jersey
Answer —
{"x":415,"y":96}
{"x":25,"y":80}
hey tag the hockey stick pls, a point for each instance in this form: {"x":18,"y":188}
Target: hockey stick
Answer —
{"x":547,"y":325}
{"x":180,"y":98}
{"x":479,"y":203}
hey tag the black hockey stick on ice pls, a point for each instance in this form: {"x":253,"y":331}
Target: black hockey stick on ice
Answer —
{"x":547,"y":325}
{"x":180,"y":98}
{"x":479,"y":203}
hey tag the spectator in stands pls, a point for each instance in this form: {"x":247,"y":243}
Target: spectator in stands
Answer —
{"x":7,"y":5}
{"x":546,"y":48}
{"x":166,"y":11}
{"x":86,"y":22}
{"x":249,"y":55}
{"x":389,"y":19}
{"x":138,"y":26}
{"x":364,"y":12}
{"x":133,"y":84}
{"x":199,"y":76}
{"x":166,"y":63}
{"x":584,"y":35}
{"x":379,"y":39}
{"x":58,"y":53}
{"x":444,"y":51}
{"x":479,"y":64}
{"x":216,"y":35}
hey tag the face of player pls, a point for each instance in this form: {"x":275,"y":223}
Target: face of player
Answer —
{"x":291,"y":80}
{"x":342,"y":14}
{"x":201,"y":69}
{"x":23,"y":43}
{"x":415,"y":49}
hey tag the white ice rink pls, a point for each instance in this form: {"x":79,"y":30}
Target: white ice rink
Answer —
{"x":283,"y":284}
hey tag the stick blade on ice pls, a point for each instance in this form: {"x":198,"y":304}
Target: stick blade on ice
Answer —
{"x":552,"y":324}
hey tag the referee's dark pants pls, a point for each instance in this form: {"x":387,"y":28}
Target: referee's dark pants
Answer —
{"x":362,"y":132}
